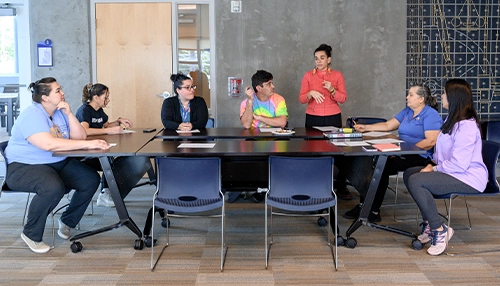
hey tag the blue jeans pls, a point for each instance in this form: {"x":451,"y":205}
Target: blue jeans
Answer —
{"x":49,"y":182}
{"x":422,"y":186}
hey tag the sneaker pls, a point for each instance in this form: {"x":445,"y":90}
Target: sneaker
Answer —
{"x":424,"y":237}
{"x":344,"y":194}
{"x":374,"y":217}
{"x":354,"y":213}
{"x":64,"y":230}
{"x":37,"y":247}
{"x":104,"y":199}
{"x":439,"y":240}
{"x":258,"y":197}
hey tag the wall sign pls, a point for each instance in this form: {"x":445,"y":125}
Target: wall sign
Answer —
{"x":44,"y":51}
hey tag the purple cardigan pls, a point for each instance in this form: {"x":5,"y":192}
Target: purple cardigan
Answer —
{"x":459,"y":155}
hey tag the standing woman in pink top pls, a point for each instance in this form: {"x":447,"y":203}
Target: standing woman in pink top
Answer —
{"x":323,"y":89}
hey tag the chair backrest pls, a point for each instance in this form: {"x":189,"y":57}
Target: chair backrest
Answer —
{"x":493,"y":131}
{"x":491,"y":151}
{"x":195,"y":177}
{"x":210,"y":123}
{"x":298,"y":176}
{"x":363,"y":120}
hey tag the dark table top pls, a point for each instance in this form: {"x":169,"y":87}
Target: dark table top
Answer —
{"x":241,"y":148}
{"x":239,"y":133}
{"x":127,"y":144}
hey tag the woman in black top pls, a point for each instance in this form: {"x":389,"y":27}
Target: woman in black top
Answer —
{"x":184,"y":111}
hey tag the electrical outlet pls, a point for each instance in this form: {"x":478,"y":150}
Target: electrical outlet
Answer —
{"x":235,"y":6}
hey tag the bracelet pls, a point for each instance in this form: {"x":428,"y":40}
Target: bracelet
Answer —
{"x":333,"y":91}
{"x":435,"y":168}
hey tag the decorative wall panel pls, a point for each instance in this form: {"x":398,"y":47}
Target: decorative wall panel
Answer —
{"x":456,"y":39}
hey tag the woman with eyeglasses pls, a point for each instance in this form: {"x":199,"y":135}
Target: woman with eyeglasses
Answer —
{"x":47,"y":126}
{"x":184,"y":111}
{"x":95,"y":121}
{"x":91,"y":114}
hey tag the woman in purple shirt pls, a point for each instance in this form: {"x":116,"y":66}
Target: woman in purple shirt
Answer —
{"x":457,"y":167}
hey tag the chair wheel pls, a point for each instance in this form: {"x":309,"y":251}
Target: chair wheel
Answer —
{"x":76,"y":247}
{"x":149,"y":242}
{"x":417,"y":244}
{"x":340,"y":241}
{"x":138,"y":244}
{"x":351,"y":242}
{"x":322,"y":221}
{"x":164,"y":223}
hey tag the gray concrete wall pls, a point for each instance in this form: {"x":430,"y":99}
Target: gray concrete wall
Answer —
{"x":66,"y":23}
{"x":368,"y":38}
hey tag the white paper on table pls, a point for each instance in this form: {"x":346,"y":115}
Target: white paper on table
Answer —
{"x":384,"y":141}
{"x":112,"y":144}
{"x":127,"y":131}
{"x":269,"y":129}
{"x":357,"y":143}
{"x":376,"y":133}
{"x":326,"y":128}
{"x":338,"y":143}
{"x":196,"y":145}
{"x":188,"y":131}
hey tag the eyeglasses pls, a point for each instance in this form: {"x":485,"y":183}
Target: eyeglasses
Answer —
{"x":189,"y":87}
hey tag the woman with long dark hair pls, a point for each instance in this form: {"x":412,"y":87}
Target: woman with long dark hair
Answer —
{"x":457,"y":166}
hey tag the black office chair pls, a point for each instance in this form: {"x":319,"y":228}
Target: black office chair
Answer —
{"x":491,"y":152}
{"x":363,"y":120}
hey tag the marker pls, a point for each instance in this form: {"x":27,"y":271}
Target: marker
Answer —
{"x":346,"y":130}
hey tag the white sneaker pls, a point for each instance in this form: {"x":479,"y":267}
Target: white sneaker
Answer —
{"x":37,"y":247}
{"x":425,"y":237}
{"x":104,"y":199}
{"x":439,"y":240}
{"x":64,"y":230}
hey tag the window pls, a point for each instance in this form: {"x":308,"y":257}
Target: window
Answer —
{"x":8,"y":63}
{"x":194,"y":46}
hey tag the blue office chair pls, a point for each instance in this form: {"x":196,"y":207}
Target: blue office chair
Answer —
{"x":298,"y":184}
{"x":188,"y":185}
{"x":210,"y":123}
{"x":491,"y":152}
{"x":4,"y":189}
{"x":493,"y":131}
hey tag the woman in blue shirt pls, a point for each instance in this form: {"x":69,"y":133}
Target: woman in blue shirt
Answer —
{"x":417,"y":124}
{"x":45,"y":127}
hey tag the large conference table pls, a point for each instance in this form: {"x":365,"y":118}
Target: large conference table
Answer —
{"x":364,"y":168}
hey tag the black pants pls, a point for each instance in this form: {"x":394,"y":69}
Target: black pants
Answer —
{"x":331,"y":120}
{"x":393,"y":165}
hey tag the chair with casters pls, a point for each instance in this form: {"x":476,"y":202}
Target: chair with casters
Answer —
{"x":301,"y":195}
{"x":6,"y":190}
{"x":491,"y":152}
{"x":493,"y":131}
{"x":363,"y":120}
{"x":188,"y":186}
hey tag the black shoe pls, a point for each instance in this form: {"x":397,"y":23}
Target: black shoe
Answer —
{"x":344,"y":194}
{"x":354,"y":213}
{"x":258,"y":197}
{"x":372,"y":217}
